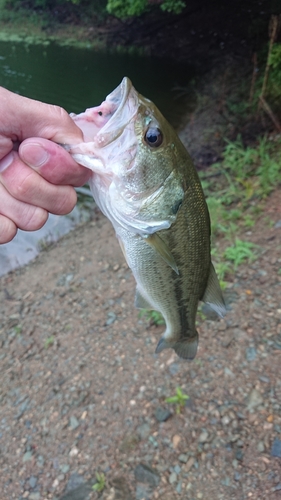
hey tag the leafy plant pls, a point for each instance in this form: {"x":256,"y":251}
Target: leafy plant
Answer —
{"x":18,"y":329}
{"x":174,"y":6}
{"x":153,"y":317}
{"x":179,"y":400}
{"x":239,"y":252}
{"x":49,"y":341}
{"x":100,"y":482}
{"x":131,"y":8}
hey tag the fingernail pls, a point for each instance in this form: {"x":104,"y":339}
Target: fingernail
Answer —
{"x":6,"y":161}
{"x":34,"y":155}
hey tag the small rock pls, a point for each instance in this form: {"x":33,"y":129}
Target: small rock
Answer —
{"x":111,"y":317}
{"x":251,"y":354}
{"x":176,"y":440}
{"x":40,"y":461}
{"x":260,"y":446}
{"x":32,"y":481}
{"x":179,"y":487}
{"x":189,"y":464}
{"x":239,"y":454}
{"x":79,"y":493}
{"x":278,"y":224}
{"x":122,"y":489}
{"x":203,"y":437}
{"x":254,"y":399}
{"x":143,"y":492}
{"x":73,"y":422}
{"x":183,"y":458}
{"x":73,"y":452}
{"x":74,"y":481}
{"x":228,"y":372}
{"x":174,"y":368}
{"x":27,"y":456}
{"x":143,"y":430}
{"x":64,"y":468}
{"x":162,"y":414}
{"x":225,"y":420}
{"x":173,"y":478}
{"x":276,"y":448}
{"x":146,"y":474}
{"x":34,"y":496}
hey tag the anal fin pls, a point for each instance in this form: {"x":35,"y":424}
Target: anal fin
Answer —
{"x":141,"y":302}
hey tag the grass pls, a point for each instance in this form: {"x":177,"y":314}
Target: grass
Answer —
{"x":49,"y":341}
{"x":179,"y":400}
{"x":153,"y":317}
{"x":240,"y":252}
{"x":236,"y":189}
{"x":100,"y":482}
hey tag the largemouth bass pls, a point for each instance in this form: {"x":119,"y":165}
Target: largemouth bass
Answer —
{"x":144,"y":181}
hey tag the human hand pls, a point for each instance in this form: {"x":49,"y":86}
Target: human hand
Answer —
{"x":39,"y":177}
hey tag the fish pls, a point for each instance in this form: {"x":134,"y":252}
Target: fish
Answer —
{"x":145,"y":183}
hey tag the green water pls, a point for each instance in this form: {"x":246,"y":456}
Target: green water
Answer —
{"x":77,"y":78}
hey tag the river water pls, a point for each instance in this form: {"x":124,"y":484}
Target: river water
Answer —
{"x":78,"y":78}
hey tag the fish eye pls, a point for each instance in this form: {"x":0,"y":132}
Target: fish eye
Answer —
{"x":153,"y":137}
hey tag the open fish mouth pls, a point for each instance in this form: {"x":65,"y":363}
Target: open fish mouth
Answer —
{"x":124,"y":105}
{"x":105,"y":123}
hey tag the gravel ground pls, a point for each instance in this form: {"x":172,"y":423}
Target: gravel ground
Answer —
{"x":82,"y":390}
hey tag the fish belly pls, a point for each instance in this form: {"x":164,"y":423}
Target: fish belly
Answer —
{"x":176,"y":296}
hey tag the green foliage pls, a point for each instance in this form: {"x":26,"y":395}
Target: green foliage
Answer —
{"x":153,"y":317}
{"x":246,"y":174}
{"x":132,"y":8}
{"x":172,"y":6}
{"x":49,"y":341}
{"x":245,"y":177}
{"x":18,"y":329}
{"x":274,"y":81}
{"x":179,"y":400}
{"x":126,"y":8}
{"x":100,"y":483}
{"x":239,"y":252}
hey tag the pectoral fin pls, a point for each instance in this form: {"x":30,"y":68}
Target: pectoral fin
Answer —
{"x":213,"y":294}
{"x":141,"y":302}
{"x":160,"y":246}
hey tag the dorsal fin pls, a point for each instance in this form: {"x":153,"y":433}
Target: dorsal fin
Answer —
{"x":213,"y":294}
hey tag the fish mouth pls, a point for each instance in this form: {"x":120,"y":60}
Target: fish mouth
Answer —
{"x":123,"y":105}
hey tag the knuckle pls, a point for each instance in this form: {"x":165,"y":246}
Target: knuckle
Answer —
{"x":8,"y":230}
{"x":61,"y":113}
{"x":23,"y":189}
{"x":33,"y":218}
{"x":66,"y":201}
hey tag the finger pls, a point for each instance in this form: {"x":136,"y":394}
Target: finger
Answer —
{"x":26,"y":185}
{"x":22,"y":118}
{"x":52,"y":162}
{"x":22,"y":215}
{"x":8,"y":229}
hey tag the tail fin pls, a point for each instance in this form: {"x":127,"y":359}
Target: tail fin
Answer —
{"x":185,"y":348}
